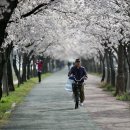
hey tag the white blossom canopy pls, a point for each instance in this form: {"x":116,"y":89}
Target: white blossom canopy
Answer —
{"x":66,"y":29}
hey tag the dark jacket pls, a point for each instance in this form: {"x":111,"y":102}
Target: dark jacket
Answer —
{"x":78,"y":72}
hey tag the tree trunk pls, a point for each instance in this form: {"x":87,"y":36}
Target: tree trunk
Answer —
{"x":19,"y":75}
{"x":94,"y":65}
{"x":8,"y":8}
{"x":34,"y":68}
{"x":126,"y":73}
{"x":112,"y":69}
{"x":16,"y":70}
{"x":129,"y":56}
{"x":104,"y":74}
{"x":28,"y":69}
{"x":120,"y":85}
{"x":100,"y":66}
{"x":24,"y":68}
{"x":51,"y":65}
{"x":108,"y":67}
{"x":45,"y":63}
{"x":5,"y":80}
{"x":31,"y":70}
{"x":128,"y":84}
{"x":2,"y":62}
{"x":10,"y":76}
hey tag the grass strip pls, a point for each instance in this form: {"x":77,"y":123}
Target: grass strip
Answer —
{"x":124,"y":97}
{"x":16,"y":97}
{"x":110,"y":88}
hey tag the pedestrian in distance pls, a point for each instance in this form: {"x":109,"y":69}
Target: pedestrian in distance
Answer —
{"x":69,"y":66}
{"x":39,"y":69}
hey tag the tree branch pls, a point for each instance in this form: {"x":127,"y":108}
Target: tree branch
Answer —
{"x":34,"y":10}
{"x":47,"y":47}
{"x":45,"y":5}
{"x":65,"y":12}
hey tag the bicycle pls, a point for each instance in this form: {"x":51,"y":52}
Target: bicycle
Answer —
{"x":76,"y":89}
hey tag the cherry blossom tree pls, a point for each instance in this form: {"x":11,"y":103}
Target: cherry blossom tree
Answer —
{"x":96,"y":31}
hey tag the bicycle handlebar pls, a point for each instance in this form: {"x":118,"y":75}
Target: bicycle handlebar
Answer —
{"x":80,"y":79}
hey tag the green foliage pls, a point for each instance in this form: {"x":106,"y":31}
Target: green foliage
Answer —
{"x":124,"y":97}
{"x":16,"y":97}
{"x":108,"y":87}
{"x":96,"y":74}
{"x":103,"y":85}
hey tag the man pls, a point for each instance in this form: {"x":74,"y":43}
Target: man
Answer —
{"x":69,"y":66}
{"x":78,"y":71}
{"x":39,"y":69}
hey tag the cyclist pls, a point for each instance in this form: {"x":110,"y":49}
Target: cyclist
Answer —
{"x":78,"y":71}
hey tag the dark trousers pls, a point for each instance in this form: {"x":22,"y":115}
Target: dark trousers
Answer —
{"x":81,"y":89}
{"x":39,"y":76}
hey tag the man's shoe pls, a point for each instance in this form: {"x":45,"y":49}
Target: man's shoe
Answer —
{"x":81,"y":104}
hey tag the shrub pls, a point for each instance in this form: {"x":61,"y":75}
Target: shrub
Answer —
{"x":124,"y":97}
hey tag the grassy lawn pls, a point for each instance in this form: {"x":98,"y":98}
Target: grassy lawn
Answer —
{"x":16,"y":97}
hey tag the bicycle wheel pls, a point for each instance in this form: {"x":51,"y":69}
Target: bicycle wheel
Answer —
{"x":77,"y":99}
{"x":76,"y":105}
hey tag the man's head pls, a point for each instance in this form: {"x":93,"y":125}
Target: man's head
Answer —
{"x":77,"y":63}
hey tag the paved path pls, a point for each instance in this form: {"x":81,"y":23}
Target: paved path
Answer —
{"x":50,"y":107}
{"x":105,"y":110}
